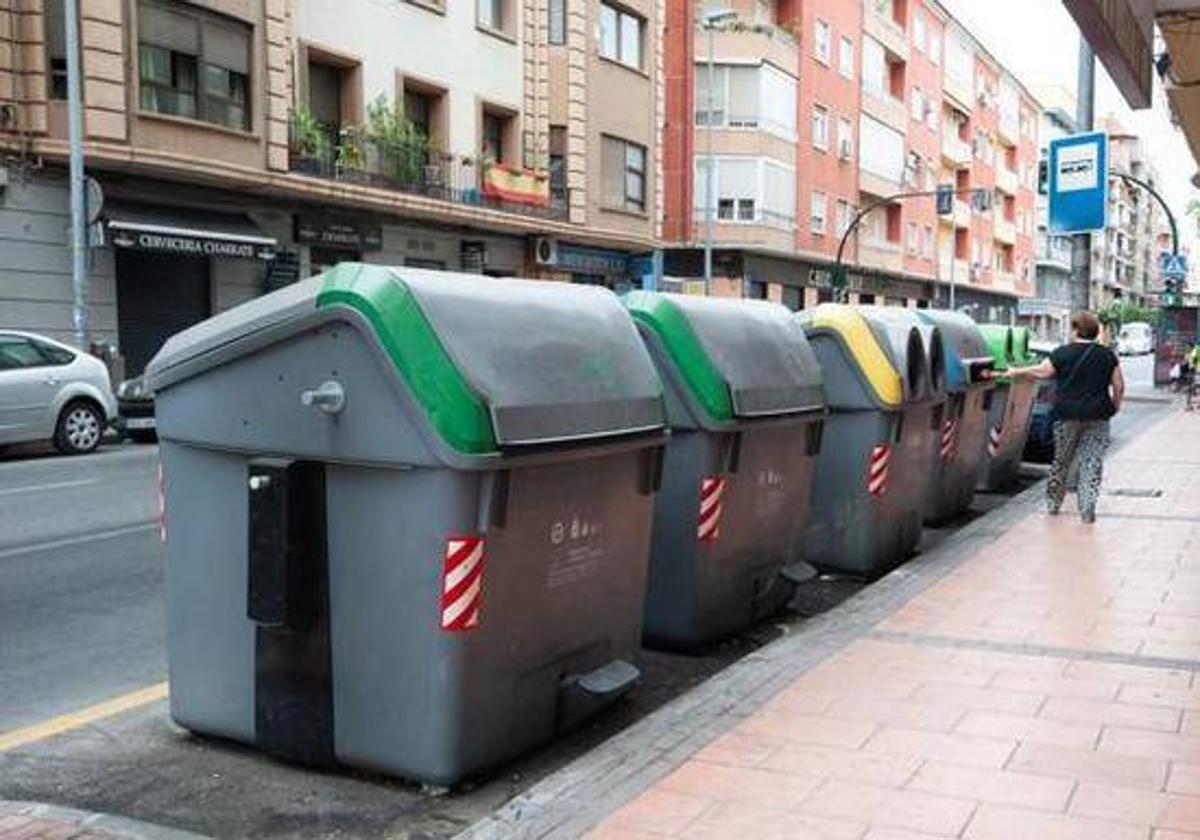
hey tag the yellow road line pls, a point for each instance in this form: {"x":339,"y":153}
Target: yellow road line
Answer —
{"x":74,"y":720}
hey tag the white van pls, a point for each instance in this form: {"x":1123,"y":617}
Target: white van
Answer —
{"x":1135,"y":339}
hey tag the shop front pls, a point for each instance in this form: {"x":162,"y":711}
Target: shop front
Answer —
{"x":175,"y":267}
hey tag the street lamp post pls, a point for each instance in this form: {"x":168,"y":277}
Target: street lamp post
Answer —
{"x":709,"y":22}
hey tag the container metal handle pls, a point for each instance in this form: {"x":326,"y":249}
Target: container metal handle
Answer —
{"x":329,"y":397}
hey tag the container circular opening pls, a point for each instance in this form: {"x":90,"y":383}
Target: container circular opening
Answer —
{"x":937,"y":363}
{"x":915,"y":363}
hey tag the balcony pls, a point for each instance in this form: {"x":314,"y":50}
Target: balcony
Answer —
{"x":961,"y":269}
{"x":413,"y":168}
{"x":1053,"y":255}
{"x":886,"y":31}
{"x":962,"y":213}
{"x":886,"y":108}
{"x":886,"y":256}
{"x":755,"y":44}
{"x":1007,"y":181}
{"x":955,"y":150}
{"x":960,"y":92}
{"x":1009,"y":128}
{"x":1004,"y":231}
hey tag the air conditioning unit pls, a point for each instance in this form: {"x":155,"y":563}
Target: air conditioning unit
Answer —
{"x":545,"y":250}
{"x":845,"y":149}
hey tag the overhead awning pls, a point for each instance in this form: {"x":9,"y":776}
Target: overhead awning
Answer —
{"x":187,"y":232}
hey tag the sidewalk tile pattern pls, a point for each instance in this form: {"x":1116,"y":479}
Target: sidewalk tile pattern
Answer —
{"x":1045,"y":689}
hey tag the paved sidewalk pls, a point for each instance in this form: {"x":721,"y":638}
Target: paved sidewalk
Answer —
{"x":1034,"y":680}
{"x":33,"y":821}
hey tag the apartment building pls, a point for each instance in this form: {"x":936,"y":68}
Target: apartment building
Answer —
{"x":1048,"y":313}
{"x":235,"y":146}
{"x":894,"y":96}
{"x":1125,"y":256}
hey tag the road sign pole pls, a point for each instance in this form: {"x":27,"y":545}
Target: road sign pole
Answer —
{"x":1081,"y":243}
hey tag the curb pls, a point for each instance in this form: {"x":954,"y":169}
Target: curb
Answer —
{"x":87,"y":821}
{"x":572,"y":801}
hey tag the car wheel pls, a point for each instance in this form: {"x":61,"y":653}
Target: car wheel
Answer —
{"x":79,"y":429}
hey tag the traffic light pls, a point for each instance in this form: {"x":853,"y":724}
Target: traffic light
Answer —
{"x":1043,"y":177}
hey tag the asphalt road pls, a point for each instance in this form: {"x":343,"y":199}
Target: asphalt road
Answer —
{"x":81,"y":621}
{"x":81,"y":613}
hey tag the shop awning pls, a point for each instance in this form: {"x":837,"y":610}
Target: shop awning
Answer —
{"x":187,"y":232}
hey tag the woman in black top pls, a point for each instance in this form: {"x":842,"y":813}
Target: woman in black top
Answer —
{"x":1090,"y":389}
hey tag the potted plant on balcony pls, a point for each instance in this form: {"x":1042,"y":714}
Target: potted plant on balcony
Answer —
{"x":309,"y":142}
{"x":351,"y":157}
{"x":402,"y":147}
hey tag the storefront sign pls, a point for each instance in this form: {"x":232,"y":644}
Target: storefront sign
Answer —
{"x":190,"y":246}
{"x":592,"y":260}
{"x":1177,"y":334}
{"x":344,"y":234}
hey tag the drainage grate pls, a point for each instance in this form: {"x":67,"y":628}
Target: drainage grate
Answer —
{"x":1136,"y":492}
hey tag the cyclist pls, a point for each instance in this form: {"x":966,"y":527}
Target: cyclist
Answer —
{"x":1187,"y":374}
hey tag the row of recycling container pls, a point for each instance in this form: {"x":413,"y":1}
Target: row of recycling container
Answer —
{"x":420,"y":522}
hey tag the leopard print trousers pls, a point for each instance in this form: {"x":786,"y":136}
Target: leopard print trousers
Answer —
{"x":1082,"y":443}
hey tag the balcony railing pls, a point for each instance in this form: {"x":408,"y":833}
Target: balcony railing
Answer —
{"x":1007,"y":180}
{"x":416,"y":169}
{"x":956,"y":150}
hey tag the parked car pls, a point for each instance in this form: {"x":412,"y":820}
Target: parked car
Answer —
{"x":1039,"y":446}
{"x":51,"y":391}
{"x":135,"y":410}
{"x":1135,"y":339}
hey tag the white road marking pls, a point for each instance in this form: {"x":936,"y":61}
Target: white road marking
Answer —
{"x":82,"y":538}
{"x":57,"y":485}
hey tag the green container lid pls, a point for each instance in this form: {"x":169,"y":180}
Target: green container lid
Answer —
{"x":1021,"y":354}
{"x":999,"y":338}
{"x":501,"y":362}
{"x":737,"y":359}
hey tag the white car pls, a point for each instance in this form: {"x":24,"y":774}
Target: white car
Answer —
{"x":1135,"y":339}
{"x":51,"y":391}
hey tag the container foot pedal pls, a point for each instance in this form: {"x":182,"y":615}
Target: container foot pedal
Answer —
{"x":581,"y":695}
{"x":798,"y":572}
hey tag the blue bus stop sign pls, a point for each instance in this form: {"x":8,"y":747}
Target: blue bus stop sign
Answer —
{"x":1078,"y":183}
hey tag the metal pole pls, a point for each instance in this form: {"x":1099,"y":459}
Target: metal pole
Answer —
{"x":709,"y":179}
{"x":79,"y":278}
{"x":1081,"y":243}
{"x":953,"y":257}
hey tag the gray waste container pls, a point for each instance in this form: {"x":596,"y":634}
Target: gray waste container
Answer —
{"x":745,"y":406}
{"x":964,"y":425}
{"x":1010,"y":410}
{"x":409,"y":516}
{"x":872,"y":479}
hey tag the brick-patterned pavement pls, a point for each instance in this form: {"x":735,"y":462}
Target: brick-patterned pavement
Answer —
{"x":1044,"y":689}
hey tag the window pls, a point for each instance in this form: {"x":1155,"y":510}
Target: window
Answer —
{"x":843,"y":216}
{"x":194,"y":64}
{"x":418,"y":108}
{"x":747,"y":96}
{"x":927,"y":242}
{"x":558,"y":164}
{"x":917,"y":105}
{"x":822,"y":35}
{"x":558,"y":22}
{"x":913,"y":244}
{"x":935,"y":48}
{"x":919,"y":32}
{"x":621,"y":36}
{"x":820,"y":128}
{"x":56,"y":49}
{"x":624,"y":175}
{"x":874,"y":69}
{"x":498,"y":139}
{"x":491,"y":14}
{"x":846,"y":58}
{"x":757,"y":190}
{"x":817,"y":210}
{"x":845,"y":139}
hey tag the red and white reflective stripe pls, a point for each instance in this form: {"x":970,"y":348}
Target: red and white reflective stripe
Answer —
{"x":462,"y":583}
{"x":712,"y":496}
{"x":878,"y":470}
{"x":162,"y":505}
{"x":994,"y":440}
{"x":949,"y":438}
